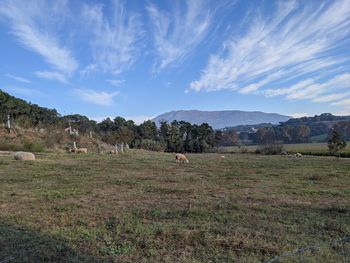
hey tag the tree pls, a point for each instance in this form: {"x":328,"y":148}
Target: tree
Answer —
{"x":301,"y":134}
{"x":106,"y":126}
{"x":123,"y":134}
{"x":147,"y":130}
{"x":164,"y":132}
{"x":231,"y":136}
{"x":287,"y":134}
{"x":336,"y":143}
{"x":343,"y":127}
{"x":266,"y":135}
{"x":175,"y":143}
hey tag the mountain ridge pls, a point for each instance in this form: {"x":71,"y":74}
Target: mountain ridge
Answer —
{"x":221,"y":119}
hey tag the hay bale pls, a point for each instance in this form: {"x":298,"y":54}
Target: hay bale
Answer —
{"x":24,"y":156}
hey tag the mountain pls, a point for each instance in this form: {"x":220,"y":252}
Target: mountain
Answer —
{"x":222,"y":119}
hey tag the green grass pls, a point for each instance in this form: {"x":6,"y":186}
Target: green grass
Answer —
{"x":143,"y":207}
{"x":291,"y":148}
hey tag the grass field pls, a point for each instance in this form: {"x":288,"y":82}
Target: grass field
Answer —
{"x":143,"y":207}
{"x":292,"y":148}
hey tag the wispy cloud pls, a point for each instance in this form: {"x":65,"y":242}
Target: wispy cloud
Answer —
{"x":290,"y":47}
{"x":52,"y":75}
{"x":310,"y":89}
{"x":345,"y":102}
{"x":31,"y":24}
{"x":176,"y":34}
{"x":116,"y":38}
{"x":20,"y":79}
{"x":116,"y":82}
{"x":97,"y":97}
{"x":24,"y":91}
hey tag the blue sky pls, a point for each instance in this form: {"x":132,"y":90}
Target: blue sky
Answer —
{"x":138,"y":58}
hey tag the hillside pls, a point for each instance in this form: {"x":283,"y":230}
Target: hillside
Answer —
{"x":319,"y":124}
{"x":222,"y":119}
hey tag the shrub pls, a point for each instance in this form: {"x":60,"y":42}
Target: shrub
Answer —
{"x":6,"y":146}
{"x":33,"y":146}
{"x":54,"y":138}
{"x":243,"y":150}
{"x":150,"y":145}
{"x":269,"y":149}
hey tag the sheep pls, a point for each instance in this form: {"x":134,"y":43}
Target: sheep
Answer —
{"x":113,"y":151}
{"x":222,"y":157}
{"x":71,"y":150}
{"x":24,"y":156}
{"x":298,"y":155}
{"x":81,"y":150}
{"x":181,"y":158}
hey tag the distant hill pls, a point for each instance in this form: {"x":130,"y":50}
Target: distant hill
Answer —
{"x":222,"y":119}
{"x":319,"y":124}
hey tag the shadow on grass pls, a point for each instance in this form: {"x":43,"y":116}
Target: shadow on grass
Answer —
{"x":19,"y":244}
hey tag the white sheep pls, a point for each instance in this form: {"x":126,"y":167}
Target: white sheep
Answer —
{"x":181,"y":158}
{"x":113,"y":151}
{"x":81,"y":150}
{"x":24,"y":156}
{"x":298,"y":155}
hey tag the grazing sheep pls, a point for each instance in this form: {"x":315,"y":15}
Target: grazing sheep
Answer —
{"x":113,"y":151}
{"x":298,"y":155}
{"x":24,"y":156}
{"x":181,"y":158}
{"x":70,"y":150}
{"x":222,"y":157}
{"x":81,"y":150}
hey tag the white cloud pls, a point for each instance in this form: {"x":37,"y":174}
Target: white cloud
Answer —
{"x":20,"y":79}
{"x":97,"y":97}
{"x":297,"y":40}
{"x":116,"y":82}
{"x":88,"y":69}
{"x":176,"y":34}
{"x":299,"y":114}
{"x":317,"y":91}
{"x":343,"y":113}
{"x":115,"y":43}
{"x":331,"y":97}
{"x":32,"y":24}
{"x":139,"y":119}
{"x":52,"y":75}
{"x":345,"y":102}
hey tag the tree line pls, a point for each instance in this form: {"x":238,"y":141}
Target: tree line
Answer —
{"x":171,"y":137}
{"x":177,"y":136}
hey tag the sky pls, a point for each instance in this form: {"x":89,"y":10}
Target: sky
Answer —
{"x":141,"y":58}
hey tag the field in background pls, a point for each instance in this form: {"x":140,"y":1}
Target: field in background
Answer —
{"x":292,"y":148}
{"x":143,"y":207}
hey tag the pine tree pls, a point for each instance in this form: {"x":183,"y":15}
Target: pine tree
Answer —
{"x":336,"y":143}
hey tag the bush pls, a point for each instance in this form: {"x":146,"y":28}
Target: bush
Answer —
{"x":6,"y":146}
{"x":270,"y":149}
{"x":243,"y":150}
{"x":54,"y":138}
{"x":340,"y":154}
{"x":33,"y":146}
{"x":150,"y":145}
